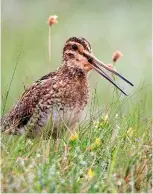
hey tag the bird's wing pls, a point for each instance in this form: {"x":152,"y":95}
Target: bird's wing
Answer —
{"x":24,"y":108}
{"x":49,"y":75}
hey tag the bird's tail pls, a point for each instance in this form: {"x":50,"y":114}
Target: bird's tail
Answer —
{"x":5,"y":123}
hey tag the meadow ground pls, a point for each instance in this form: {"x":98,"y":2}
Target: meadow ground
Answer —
{"x":110,"y":152}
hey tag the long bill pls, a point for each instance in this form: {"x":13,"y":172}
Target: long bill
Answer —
{"x":98,"y":65}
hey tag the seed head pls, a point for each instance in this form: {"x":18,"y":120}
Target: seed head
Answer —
{"x":52,"y":20}
{"x":116,"y":56}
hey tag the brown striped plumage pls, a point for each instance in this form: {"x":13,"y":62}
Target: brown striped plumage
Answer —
{"x":60,"y":95}
{"x":63,"y":93}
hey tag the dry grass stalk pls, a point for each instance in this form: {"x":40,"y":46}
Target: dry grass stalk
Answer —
{"x":51,"y":21}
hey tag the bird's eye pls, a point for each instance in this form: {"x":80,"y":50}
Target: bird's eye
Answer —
{"x":75,"y":47}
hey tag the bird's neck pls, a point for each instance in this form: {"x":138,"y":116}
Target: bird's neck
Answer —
{"x":72,"y":70}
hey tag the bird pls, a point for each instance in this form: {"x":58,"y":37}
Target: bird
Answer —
{"x":61,"y":95}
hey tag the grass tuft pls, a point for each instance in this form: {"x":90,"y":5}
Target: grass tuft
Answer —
{"x":112,"y":153}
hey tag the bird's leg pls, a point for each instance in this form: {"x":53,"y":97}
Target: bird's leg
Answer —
{"x":73,"y":123}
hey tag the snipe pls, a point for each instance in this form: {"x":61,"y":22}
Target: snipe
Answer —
{"x":62,"y":94}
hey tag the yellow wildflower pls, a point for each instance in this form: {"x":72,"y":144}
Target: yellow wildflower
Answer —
{"x":97,"y":142}
{"x":91,"y":174}
{"x":74,"y":136}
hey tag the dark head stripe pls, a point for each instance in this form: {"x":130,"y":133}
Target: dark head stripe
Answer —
{"x":81,"y":41}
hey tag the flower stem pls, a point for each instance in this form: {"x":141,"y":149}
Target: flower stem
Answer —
{"x":49,"y":44}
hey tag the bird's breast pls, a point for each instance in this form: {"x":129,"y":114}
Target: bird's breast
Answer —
{"x":70,"y":98}
{"x":72,"y":95}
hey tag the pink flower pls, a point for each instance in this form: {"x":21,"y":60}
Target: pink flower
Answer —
{"x":52,"y":20}
{"x":116,"y":55}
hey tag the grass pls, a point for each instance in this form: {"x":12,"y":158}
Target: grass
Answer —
{"x":112,"y":154}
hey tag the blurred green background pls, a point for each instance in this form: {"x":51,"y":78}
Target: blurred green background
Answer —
{"x":110,"y":25}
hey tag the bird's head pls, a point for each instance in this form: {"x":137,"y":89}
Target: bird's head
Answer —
{"x":78,"y":52}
